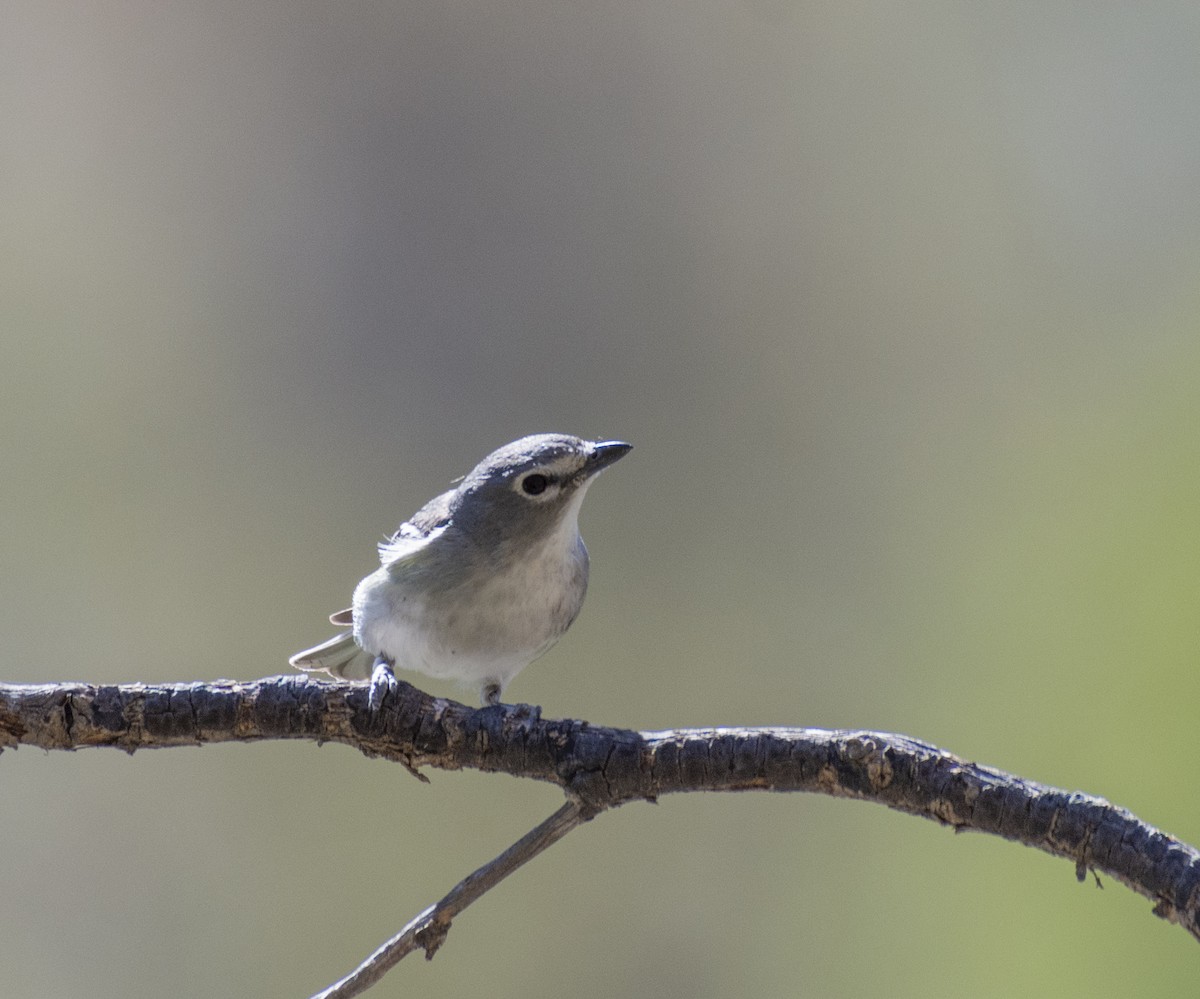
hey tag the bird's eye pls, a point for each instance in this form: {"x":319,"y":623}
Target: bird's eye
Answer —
{"x":535,"y":484}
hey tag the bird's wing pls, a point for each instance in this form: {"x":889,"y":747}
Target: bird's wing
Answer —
{"x":401,"y":552}
{"x":434,"y":514}
{"x":420,"y":529}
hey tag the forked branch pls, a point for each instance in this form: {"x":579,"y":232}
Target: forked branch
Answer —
{"x":599,"y":768}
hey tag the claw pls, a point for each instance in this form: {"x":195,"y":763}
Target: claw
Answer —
{"x":383,"y":682}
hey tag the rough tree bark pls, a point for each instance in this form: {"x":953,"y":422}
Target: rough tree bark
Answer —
{"x":599,"y":768}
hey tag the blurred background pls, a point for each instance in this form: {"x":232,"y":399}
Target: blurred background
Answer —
{"x":898,"y":304}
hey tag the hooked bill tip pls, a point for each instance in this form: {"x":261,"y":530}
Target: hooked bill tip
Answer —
{"x":605,"y":453}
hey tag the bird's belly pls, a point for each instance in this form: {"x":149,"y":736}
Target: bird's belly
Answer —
{"x":485,"y":631}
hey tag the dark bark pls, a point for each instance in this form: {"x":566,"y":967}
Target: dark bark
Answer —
{"x":599,"y":767}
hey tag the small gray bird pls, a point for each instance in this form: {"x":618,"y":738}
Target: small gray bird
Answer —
{"x":482,"y":580}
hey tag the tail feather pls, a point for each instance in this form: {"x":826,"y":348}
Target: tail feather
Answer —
{"x":339,"y":656}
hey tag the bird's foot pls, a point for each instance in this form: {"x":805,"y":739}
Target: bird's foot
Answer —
{"x":522,"y":714}
{"x":525,"y":714}
{"x":383,"y":682}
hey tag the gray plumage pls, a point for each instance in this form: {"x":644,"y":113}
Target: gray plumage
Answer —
{"x":484,"y":578}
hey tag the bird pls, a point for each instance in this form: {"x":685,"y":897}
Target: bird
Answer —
{"x":479,"y":582}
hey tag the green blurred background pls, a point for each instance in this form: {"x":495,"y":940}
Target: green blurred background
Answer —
{"x":898,"y":304}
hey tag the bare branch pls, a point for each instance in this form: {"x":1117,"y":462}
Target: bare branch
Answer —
{"x":430,"y":927}
{"x":599,"y":767}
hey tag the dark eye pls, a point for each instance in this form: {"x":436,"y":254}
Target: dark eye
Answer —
{"x":535,"y":484}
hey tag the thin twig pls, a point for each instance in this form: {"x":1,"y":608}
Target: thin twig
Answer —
{"x":428,"y":929}
{"x":599,"y":767}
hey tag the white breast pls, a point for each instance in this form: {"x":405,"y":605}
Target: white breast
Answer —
{"x":485,"y":631}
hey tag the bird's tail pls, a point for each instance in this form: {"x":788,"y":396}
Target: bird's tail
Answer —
{"x":340,"y":656}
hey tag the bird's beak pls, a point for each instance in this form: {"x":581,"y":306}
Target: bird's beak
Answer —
{"x":604,"y":454}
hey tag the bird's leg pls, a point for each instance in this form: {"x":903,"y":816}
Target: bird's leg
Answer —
{"x":490,"y":693}
{"x":383,"y":682}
